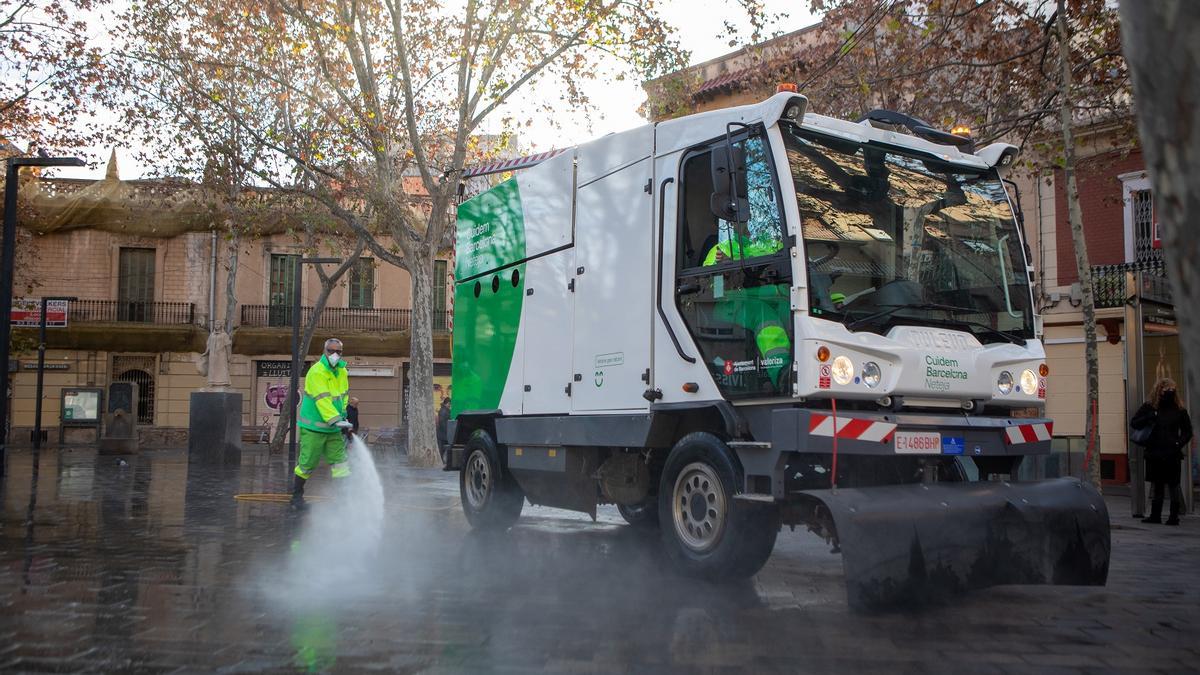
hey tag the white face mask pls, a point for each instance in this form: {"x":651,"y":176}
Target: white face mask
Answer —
{"x":333,"y":358}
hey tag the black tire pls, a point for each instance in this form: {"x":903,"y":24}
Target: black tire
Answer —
{"x":709,"y":534}
{"x":491,"y":499}
{"x":643,"y":515}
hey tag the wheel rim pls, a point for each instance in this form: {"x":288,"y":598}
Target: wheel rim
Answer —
{"x":479,"y":480}
{"x":698,"y":507}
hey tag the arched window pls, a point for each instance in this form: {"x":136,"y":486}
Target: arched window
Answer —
{"x":145,"y":393}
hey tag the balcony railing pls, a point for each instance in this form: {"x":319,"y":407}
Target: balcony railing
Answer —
{"x":338,"y":318}
{"x":1108,"y":283}
{"x":117,"y":311}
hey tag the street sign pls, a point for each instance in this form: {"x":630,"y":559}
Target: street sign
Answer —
{"x":27,"y":312}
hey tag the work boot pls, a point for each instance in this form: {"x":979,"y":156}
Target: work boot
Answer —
{"x":298,"y":503}
{"x":1173,"y":519}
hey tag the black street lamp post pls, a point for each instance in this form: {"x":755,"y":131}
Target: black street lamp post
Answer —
{"x":7,"y":261}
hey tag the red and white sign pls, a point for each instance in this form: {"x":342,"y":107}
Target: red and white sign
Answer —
{"x":1028,"y":433}
{"x":851,"y":428}
{"x":918,"y":443}
{"x":27,"y":313}
{"x":825,"y":373}
{"x":1041,"y":387}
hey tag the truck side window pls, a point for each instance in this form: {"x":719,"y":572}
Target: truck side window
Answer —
{"x":733,"y":284}
{"x":706,"y":240}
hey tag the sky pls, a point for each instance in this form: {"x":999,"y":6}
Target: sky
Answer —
{"x":700,"y":29}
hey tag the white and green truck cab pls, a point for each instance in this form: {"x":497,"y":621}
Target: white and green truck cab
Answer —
{"x":756,"y":317}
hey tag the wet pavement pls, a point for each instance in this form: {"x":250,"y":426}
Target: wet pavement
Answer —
{"x":147,"y":564}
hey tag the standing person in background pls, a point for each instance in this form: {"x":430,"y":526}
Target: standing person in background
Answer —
{"x":352,"y":414}
{"x":1171,"y":431}
{"x":443,"y":423}
{"x":323,"y":420}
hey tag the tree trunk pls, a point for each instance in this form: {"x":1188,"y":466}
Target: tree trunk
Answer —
{"x":1159,"y":39}
{"x":418,"y":400}
{"x":231,"y":272}
{"x":1082,"y":266}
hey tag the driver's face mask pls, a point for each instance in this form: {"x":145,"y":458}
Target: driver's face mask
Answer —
{"x":333,"y":356}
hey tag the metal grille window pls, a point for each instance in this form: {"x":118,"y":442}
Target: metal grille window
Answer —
{"x":439,"y":294}
{"x":281,"y":287}
{"x":138,"y":369}
{"x":135,"y":284}
{"x":1143,"y":226}
{"x":362,"y":284}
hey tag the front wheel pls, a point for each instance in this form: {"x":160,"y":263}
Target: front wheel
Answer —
{"x":643,"y":515}
{"x":491,"y":499}
{"x":705,"y":531}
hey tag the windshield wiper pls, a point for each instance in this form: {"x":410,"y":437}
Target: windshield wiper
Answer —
{"x":1007,"y":337}
{"x":892,"y":309}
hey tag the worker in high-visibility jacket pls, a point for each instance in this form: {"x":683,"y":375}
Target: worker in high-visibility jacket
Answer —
{"x":322,"y":419}
{"x":763,"y":309}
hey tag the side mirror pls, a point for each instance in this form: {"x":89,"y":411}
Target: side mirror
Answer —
{"x":1016,"y":203}
{"x":728,"y":201}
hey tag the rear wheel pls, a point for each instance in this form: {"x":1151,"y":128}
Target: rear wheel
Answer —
{"x":705,"y":531}
{"x":491,"y":499}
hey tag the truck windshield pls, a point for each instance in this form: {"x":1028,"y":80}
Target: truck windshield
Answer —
{"x":897,"y":238}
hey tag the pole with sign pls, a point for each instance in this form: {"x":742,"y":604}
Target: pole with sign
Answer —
{"x":41,"y":367}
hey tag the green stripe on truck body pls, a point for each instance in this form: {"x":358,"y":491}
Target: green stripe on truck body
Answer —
{"x":487,"y":306}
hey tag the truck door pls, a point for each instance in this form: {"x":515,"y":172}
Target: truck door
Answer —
{"x":612,"y":280}
{"x":733,"y":279}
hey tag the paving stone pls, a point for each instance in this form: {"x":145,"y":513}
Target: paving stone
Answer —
{"x":168,"y":573}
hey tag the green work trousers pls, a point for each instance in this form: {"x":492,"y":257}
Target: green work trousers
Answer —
{"x":314,"y":445}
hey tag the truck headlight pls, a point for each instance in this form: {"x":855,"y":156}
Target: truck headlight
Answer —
{"x":1004,"y":383}
{"x":1028,"y":382}
{"x":842,"y":370}
{"x":871,"y":374}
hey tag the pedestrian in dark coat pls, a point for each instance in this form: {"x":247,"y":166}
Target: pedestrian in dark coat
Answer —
{"x":1171,"y":432}
{"x":443,"y":426}
{"x":352,"y":413}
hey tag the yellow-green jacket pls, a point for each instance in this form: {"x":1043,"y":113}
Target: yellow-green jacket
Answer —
{"x":326,"y":390}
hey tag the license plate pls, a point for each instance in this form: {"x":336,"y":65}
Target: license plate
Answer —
{"x":918,"y":443}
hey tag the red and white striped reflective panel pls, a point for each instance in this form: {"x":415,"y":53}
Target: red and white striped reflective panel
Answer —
{"x":1028,"y":433}
{"x":853,"y":428}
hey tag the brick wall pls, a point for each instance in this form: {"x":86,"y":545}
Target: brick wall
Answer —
{"x":77,"y":263}
{"x":1103,"y":212}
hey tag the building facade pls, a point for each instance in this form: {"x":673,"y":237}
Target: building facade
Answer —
{"x":1137,"y":332}
{"x":141,"y":312}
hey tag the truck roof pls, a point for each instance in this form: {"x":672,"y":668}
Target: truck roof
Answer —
{"x":682,"y":133}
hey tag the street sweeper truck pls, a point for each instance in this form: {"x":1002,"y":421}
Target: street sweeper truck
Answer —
{"x":760,"y":317}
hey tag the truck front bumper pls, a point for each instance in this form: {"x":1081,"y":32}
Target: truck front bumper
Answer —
{"x":865,"y":433}
{"x":796,"y":430}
